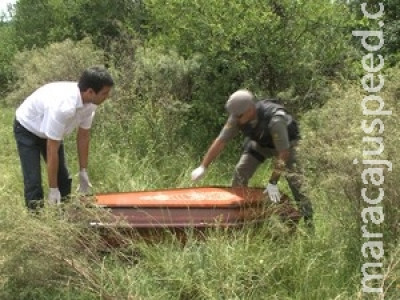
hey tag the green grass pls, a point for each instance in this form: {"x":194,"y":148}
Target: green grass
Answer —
{"x":45,"y":257}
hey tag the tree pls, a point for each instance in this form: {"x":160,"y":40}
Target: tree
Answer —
{"x":8,"y":49}
{"x":268,"y":46}
{"x":391,"y":28}
{"x":40,"y":22}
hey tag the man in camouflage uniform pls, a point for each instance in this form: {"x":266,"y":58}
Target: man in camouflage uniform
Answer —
{"x":270,"y":131}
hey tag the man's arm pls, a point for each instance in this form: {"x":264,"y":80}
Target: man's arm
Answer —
{"x":279,"y":165}
{"x":52,"y":162}
{"x":215,"y":149}
{"x":280,"y":137}
{"x":82,"y":141}
{"x":228,"y":132}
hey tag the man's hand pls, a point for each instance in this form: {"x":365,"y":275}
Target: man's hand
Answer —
{"x":198,"y":173}
{"x":273,"y":192}
{"x":54,"y":196}
{"x":84,"y":183}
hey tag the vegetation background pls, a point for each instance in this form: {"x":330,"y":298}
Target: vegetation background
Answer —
{"x":175,"y":63}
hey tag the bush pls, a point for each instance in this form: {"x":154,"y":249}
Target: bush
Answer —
{"x":153,"y":91}
{"x":56,"y":62}
{"x":334,"y":150}
{"x":266,"y":46}
{"x":7,"y":52}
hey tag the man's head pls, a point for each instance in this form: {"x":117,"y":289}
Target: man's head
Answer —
{"x":241,"y":106}
{"x":95,"y":84}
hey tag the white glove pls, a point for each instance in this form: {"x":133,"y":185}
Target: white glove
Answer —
{"x":273,"y":192}
{"x":54,"y":196}
{"x":84,"y":183}
{"x":198,"y":173}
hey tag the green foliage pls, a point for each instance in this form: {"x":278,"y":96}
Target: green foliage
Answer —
{"x":160,"y":73}
{"x":150,"y":76}
{"x":335,"y":145}
{"x":176,"y":62}
{"x":107,"y":19}
{"x":33,"y":22}
{"x":57,"y":62}
{"x":252,"y":263}
{"x":38,"y":23}
{"x":333,"y":151}
{"x":153,"y":91}
{"x":391,"y":25}
{"x":266,"y":46}
{"x":7,"y":51}
{"x":244,"y":264}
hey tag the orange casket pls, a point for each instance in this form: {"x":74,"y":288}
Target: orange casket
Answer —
{"x":198,"y":207}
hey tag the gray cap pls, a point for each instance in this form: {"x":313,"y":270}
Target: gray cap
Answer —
{"x":239,"y":102}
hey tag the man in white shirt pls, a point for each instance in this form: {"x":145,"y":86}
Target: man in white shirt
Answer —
{"x":42,"y":121}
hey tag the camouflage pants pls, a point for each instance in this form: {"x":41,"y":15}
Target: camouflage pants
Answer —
{"x":254,"y":155}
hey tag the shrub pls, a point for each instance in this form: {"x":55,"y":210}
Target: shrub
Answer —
{"x":7,"y":51}
{"x":266,"y":46}
{"x":333,"y":151}
{"x":56,"y":62}
{"x":153,"y":91}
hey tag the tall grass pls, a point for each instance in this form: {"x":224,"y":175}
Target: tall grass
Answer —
{"x":139,"y":146}
{"x":48,"y":258}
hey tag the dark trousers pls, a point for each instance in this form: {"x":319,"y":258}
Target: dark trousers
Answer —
{"x":254,"y":155}
{"x":30,"y":148}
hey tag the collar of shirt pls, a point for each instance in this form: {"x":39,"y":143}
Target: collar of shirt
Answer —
{"x":79,"y":101}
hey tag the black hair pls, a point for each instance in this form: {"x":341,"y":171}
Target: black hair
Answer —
{"x":96,"y":78}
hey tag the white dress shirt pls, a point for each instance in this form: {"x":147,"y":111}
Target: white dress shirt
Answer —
{"x":54,"y":110}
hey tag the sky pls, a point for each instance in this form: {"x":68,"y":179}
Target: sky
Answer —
{"x":4,"y":3}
